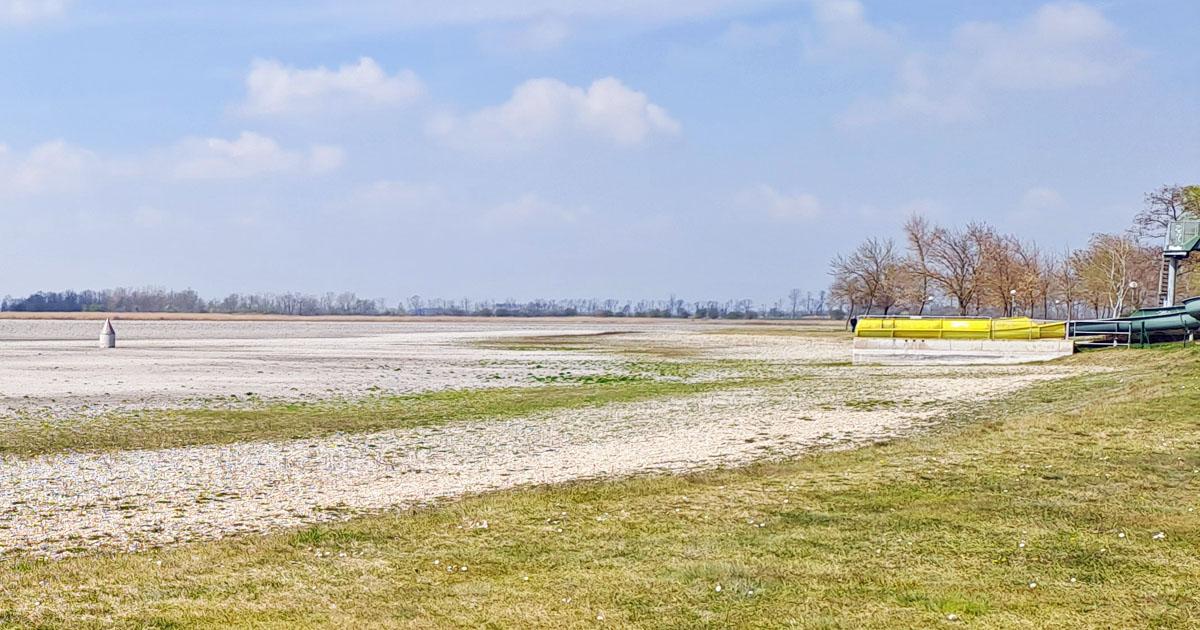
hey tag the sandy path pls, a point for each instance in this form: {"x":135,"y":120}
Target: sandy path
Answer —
{"x":127,"y":500}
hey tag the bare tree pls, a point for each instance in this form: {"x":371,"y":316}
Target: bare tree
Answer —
{"x":874,"y":267}
{"x":953,"y":262}
{"x":848,"y":290}
{"x":794,"y":297}
{"x":1045,"y":265}
{"x":1164,"y":205}
{"x":1066,"y":281}
{"x":1009,"y":272}
{"x":1115,"y":272}
{"x":813,"y":304}
{"x":920,"y":235}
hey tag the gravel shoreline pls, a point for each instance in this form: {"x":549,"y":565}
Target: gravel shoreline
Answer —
{"x":51,"y":369}
{"x":65,"y":504}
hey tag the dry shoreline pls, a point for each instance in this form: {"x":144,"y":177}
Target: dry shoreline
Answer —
{"x":51,"y":371}
{"x":52,"y":368}
{"x":59,"y":505}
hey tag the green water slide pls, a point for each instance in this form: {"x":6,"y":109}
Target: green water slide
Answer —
{"x":1146,"y":325}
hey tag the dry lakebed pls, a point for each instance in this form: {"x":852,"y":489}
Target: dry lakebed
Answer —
{"x":622,"y":397}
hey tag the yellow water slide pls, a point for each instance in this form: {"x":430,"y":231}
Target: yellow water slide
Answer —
{"x":959,"y":328}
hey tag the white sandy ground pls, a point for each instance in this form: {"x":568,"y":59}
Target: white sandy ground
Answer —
{"x":62,"y":504}
{"x":53,"y":368}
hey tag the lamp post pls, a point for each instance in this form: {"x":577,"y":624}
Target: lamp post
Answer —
{"x":1133,"y":285}
{"x":1012,"y":303}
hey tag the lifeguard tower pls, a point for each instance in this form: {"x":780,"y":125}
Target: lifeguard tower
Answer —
{"x":1183,"y":238}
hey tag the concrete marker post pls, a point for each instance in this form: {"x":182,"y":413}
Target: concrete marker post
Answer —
{"x":108,"y":335}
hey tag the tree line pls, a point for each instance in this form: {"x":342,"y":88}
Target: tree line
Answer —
{"x":977,"y":270}
{"x":796,"y":304}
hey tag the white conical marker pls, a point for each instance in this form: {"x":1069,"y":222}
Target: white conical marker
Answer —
{"x":108,"y":336}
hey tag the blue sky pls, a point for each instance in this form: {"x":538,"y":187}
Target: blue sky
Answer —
{"x":713,"y":148}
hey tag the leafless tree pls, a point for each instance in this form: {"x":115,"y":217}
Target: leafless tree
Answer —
{"x":794,"y":298}
{"x":1164,"y":205}
{"x":920,"y":235}
{"x":847,"y":290}
{"x":874,"y":268}
{"x":1115,"y":272}
{"x":1066,"y":281}
{"x":953,"y":262}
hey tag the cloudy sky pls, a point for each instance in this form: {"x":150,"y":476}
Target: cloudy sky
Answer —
{"x":567,"y":148}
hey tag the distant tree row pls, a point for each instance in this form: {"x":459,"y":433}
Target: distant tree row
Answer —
{"x":157,"y":300}
{"x":797,"y":304}
{"x":975,"y":269}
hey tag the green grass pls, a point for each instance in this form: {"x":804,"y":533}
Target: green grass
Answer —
{"x":187,"y":427}
{"x":820,"y":330}
{"x":583,"y":341}
{"x":566,"y":376}
{"x":1036,"y":489}
{"x":621,"y":343}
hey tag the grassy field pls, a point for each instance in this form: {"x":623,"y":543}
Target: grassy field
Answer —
{"x":1069,"y":505}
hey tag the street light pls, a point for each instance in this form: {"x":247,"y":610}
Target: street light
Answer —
{"x":1012,"y":306}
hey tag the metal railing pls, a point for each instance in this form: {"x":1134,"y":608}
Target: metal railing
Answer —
{"x":1108,"y":338}
{"x":1100,"y":340}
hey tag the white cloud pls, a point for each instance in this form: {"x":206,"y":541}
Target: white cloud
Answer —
{"x":539,"y":35}
{"x":531,"y":208}
{"x":58,"y":167}
{"x":248,"y":155}
{"x":275,"y":89}
{"x":19,"y":12}
{"x":542,"y":110}
{"x":50,"y":167}
{"x":1061,"y":46}
{"x":842,"y":27}
{"x":780,"y":206}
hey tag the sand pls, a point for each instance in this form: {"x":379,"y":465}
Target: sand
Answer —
{"x":63,"y":504}
{"x":55,"y":368}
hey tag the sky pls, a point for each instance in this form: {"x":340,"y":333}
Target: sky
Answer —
{"x":496,"y":149}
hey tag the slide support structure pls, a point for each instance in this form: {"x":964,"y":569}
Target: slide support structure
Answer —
{"x":1172,"y":272}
